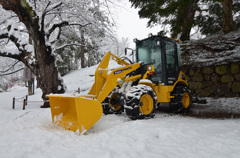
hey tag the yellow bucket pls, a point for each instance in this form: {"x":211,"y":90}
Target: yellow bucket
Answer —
{"x":75,"y":113}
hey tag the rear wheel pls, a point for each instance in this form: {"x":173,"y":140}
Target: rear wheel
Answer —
{"x":181,"y":103}
{"x":140,"y":102}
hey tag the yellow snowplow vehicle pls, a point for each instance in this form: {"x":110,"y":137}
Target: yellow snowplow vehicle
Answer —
{"x":138,"y":89}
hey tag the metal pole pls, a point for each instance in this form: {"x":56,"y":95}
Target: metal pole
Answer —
{"x":13,"y":103}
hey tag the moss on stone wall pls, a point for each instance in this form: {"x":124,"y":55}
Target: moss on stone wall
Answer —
{"x":214,"y":81}
{"x":222,"y":69}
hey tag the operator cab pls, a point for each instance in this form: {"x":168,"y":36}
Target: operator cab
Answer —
{"x":162,"y":52}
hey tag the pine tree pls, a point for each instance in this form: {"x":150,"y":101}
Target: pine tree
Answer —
{"x":178,"y":14}
{"x":183,"y":15}
{"x":211,"y":19}
{"x":228,"y":25}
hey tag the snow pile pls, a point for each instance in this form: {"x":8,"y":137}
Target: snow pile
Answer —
{"x":214,"y":50}
{"x":31,"y":133}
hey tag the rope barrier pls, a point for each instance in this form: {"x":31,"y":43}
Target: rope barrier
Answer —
{"x":19,"y":98}
{"x":38,"y":101}
{"x":25,"y":99}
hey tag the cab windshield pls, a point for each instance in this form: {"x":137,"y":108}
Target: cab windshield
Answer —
{"x":149,"y":51}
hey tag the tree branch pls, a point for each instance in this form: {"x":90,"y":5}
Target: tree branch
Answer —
{"x":59,"y":25}
{"x":43,"y":16}
{"x":13,"y":39}
{"x":10,"y":55}
{"x":10,"y":67}
{"x":63,"y":24}
{"x":20,"y":55}
{"x":54,"y":6}
{"x":73,"y":44}
{"x":7,"y":18}
{"x":11,"y":72}
{"x":46,"y":11}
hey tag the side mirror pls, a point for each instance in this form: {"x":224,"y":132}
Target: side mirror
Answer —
{"x":125,"y":51}
{"x":132,"y":52}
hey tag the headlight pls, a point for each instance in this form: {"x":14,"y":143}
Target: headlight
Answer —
{"x":149,"y":68}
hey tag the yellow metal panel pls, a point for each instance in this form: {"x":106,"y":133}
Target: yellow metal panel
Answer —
{"x":133,"y":78}
{"x":112,"y":77}
{"x":110,"y":84}
{"x":105,"y":61}
{"x":75,"y":113}
{"x":163,"y":94}
{"x":106,"y":80}
{"x":120,"y":61}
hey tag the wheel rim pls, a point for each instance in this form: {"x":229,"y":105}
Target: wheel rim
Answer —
{"x":114,"y":107}
{"x":146,"y":104}
{"x":185,"y":100}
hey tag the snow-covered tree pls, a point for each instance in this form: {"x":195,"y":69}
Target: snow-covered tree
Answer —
{"x":34,"y":27}
{"x":10,"y":72}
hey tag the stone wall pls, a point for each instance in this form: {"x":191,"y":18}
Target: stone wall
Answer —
{"x":214,"y":81}
{"x":213,"y":65}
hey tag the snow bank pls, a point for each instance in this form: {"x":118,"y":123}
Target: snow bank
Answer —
{"x":214,"y":50}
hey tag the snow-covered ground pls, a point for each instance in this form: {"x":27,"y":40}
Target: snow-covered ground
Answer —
{"x":30,"y":133}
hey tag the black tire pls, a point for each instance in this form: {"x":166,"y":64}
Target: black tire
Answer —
{"x":181,"y":103}
{"x":106,"y":108}
{"x":141,"y":102}
{"x":112,"y":105}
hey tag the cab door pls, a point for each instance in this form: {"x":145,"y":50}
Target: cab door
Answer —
{"x":171,"y":62}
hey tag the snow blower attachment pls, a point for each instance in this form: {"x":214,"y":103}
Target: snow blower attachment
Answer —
{"x":137,"y":89}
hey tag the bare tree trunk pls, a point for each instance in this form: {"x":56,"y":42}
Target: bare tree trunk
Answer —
{"x":184,"y":20}
{"x":228,"y":24}
{"x":82,"y":49}
{"x":48,"y":73}
{"x":187,"y":23}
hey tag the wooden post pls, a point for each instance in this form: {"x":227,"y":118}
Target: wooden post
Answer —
{"x":78,"y":90}
{"x":26,"y":99}
{"x":24,"y":103}
{"x":30,"y":92}
{"x":33,"y":84}
{"x":13,"y":106}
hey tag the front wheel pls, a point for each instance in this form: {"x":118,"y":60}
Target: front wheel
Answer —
{"x":140,"y":102}
{"x":113,"y":104}
{"x":181,"y":103}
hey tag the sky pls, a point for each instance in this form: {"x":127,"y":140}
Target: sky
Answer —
{"x":131,"y":26}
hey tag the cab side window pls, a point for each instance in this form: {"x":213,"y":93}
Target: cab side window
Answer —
{"x":171,"y":65}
